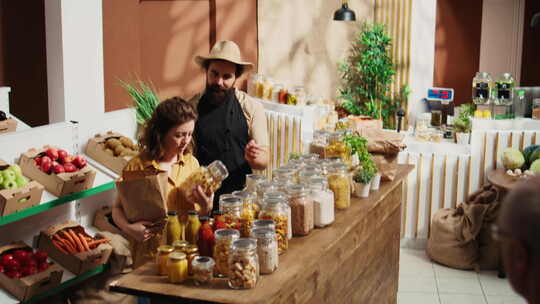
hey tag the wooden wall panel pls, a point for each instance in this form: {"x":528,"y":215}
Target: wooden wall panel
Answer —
{"x":530,"y":67}
{"x":457,"y":46}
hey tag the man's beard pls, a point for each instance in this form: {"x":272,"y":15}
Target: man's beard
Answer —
{"x":217,"y":95}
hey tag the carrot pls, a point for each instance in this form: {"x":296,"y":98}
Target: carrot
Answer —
{"x":83,"y":241}
{"x":69,"y":247}
{"x":59,"y":246}
{"x":97,"y":242}
{"x":71,"y":240}
{"x":57,"y":237}
{"x":77,"y":241}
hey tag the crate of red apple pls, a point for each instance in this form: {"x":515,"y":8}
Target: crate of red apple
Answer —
{"x":58,"y":171}
{"x":25,"y":272}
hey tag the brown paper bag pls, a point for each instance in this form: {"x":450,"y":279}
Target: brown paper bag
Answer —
{"x":386,"y":165}
{"x":364,"y":122}
{"x":384,"y":142}
{"x":143,"y":195}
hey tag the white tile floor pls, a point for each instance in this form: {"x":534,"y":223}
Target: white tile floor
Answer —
{"x":421,"y":281}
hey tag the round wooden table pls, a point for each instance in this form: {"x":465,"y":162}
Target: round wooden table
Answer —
{"x":503,"y":181}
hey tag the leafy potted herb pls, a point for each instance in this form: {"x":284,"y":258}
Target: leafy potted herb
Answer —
{"x":376,"y":181}
{"x":145,"y":99}
{"x":362,"y":182}
{"x":463,"y":126}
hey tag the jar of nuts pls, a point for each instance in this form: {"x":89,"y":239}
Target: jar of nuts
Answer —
{"x":285,"y":198}
{"x":267,"y":249}
{"x":243,"y":264}
{"x":222,"y":246}
{"x":339,"y":183}
{"x":203,"y":268}
{"x":274,"y":210}
{"x":301,"y":204}
{"x":232,"y":210}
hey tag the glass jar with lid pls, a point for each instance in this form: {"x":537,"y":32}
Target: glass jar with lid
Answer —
{"x":285,"y":197}
{"x":206,"y":237}
{"x":301,"y":204}
{"x":192,"y":251}
{"x":536,"y":108}
{"x":323,"y":202}
{"x":209,"y":178}
{"x":249,"y":211}
{"x":299,"y":93}
{"x":283,"y":182}
{"x":275,"y":92}
{"x":309,"y":157}
{"x":180,"y":246}
{"x":337,"y":148}
{"x":319,"y":143}
{"x":252,"y":180}
{"x":273,"y":209}
{"x":162,"y":257}
{"x":481,"y":88}
{"x":243,"y":264}
{"x":262,"y":188}
{"x":177,"y":267}
{"x":222,"y":246}
{"x":252,"y":84}
{"x":504,"y":89}
{"x":259,"y":86}
{"x":203,"y":269}
{"x":269,"y":224}
{"x":283,"y":173}
{"x":339,"y":182}
{"x":232,"y":210}
{"x":267,"y":249}
{"x":305,"y":176}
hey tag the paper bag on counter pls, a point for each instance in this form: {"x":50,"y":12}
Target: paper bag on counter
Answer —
{"x":384,"y":142}
{"x":364,"y":122}
{"x":386,"y":165}
{"x":143,"y":195}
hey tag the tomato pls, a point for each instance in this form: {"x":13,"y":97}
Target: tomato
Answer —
{"x":6,"y":258}
{"x":40,"y":256}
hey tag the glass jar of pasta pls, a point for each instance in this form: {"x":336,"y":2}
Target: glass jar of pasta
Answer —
{"x":339,"y":183}
{"x":249,"y":211}
{"x":273,"y":209}
{"x":209,"y":178}
{"x":222,"y":246}
{"x":337,"y":148}
{"x":285,"y":197}
{"x":232,"y":210}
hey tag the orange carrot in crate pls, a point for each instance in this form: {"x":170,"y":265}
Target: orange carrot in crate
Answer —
{"x":69,"y":246}
{"x":97,"y":242}
{"x":77,"y":241}
{"x":68,"y":236}
{"x":59,"y":246}
{"x":83,"y":241}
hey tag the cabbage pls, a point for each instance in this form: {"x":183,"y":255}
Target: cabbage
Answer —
{"x":535,"y":167}
{"x":512,"y":159}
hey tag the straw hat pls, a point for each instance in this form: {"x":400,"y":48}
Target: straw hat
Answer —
{"x":224,"y":50}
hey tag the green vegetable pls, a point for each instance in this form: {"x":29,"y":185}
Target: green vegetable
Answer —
{"x":144,"y":98}
{"x":527,"y":152}
{"x":363,"y":176}
{"x":512,"y":159}
{"x":535,"y":167}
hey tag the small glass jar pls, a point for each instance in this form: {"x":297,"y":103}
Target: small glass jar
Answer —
{"x":249,"y":211}
{"x":268,"y":87}
{"x":243,"y":264}
{"x":203,"y":269}
{"x":180,"y":246}
{"x":283,"y":182}
{"x":302,"y":210}
{"x":267,"y":249}
{"x":162,"y":257}
{"x":283,"y":173}
{"x":274,"y":209}
{"x":297,"y":96}
{"x":206,"y":237}
{"x":481,"y":88}
{"x":177,"y":267}
{"x":339,"y":183}
{"x":192,"y":251}
{"x":285,"y":197}
{"x":309,"y":157}
{"x":269,"y":224}
{"x":173,"y":229}
{"x":219,"y":220}
{"x":252,"y":84}
{"x":275,"y":92}
{"x":319,"y":143}
{"x":536,"y":108}
{"x":263,"y":188}
{"x":232,"y":211}
{"x":192,"y":227}
{"x":252,"y":180}
{"x":283,"y":94}
{"x":337,"y":148}
{"x":504,"y":89}
{"x":223,"y":241}
{"x":259,"y":86}
{"x":305,"y":176}
{"x":323,"y":202}
{"x":209,"y":178}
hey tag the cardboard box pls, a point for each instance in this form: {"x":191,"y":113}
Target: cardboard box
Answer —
{"x":10,"y":200}
{"x":32,"y":285}
{"x":8,"y":125}
{"x":103,"y":221}
{"x":95,"y":149}
{"x":58,"y":184}
{"x":79,"y":262}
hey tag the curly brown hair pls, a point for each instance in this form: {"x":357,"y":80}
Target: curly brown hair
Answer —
{"x":168,"y":114}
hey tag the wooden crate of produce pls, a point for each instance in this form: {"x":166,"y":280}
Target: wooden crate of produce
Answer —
{"x":111,"y":149}
{"x":13,"y":200}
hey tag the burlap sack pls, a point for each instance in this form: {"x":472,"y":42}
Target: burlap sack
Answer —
{"x":143,"y":195}
{"x":383,"y":142}
{"x":453,"y":232}
{"x":386,"y":166}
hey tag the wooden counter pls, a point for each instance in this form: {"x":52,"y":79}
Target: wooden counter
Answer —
{"x":355,"y":260}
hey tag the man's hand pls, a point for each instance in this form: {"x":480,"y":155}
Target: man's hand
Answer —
{"x":256,"y":156}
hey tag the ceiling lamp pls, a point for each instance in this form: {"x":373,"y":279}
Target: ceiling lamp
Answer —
{"x":344,"y":13}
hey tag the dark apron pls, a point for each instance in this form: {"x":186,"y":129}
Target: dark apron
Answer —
{"x":221,"y":133}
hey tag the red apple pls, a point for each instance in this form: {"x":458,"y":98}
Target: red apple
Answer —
{"x":29,"y":270}
{"x":69,"y":167}
{"x":37,"y":160}
{"x":79,"y":161}
{"x":40,"y":256}
{"x":65,"y":159}
{"x":46,"y":166}
{"x":30,"y":262}
{"x":22,"y":256}
{"x":58,"y":169}
{"x":46,"y":159}
{"x":13,"y":265}
{"x":52,"y":153}
{"x":62,"y":153}
{"x":6,"y":258}
{"x":43,"y":266}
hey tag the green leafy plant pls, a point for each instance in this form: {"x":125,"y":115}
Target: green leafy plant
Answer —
{"x":363,"y":176}
{"x":358,"y":146}
{"x":367,"y":75}
{"x":145,"y":99}
{"x":463,"y":123}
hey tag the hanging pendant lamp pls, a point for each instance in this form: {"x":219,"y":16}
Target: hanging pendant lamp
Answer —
{"x":344,"y":13}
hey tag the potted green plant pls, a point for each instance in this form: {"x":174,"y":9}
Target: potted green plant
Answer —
{"x":145,"y":99}
{"x":367,"y":75}
{"x":362,"y":182}
{"x":463,"y":126}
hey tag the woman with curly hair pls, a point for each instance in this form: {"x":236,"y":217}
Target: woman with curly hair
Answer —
{"x":166,"y":145}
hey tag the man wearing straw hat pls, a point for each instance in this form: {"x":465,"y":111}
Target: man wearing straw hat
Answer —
{"x":231,"y":125}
